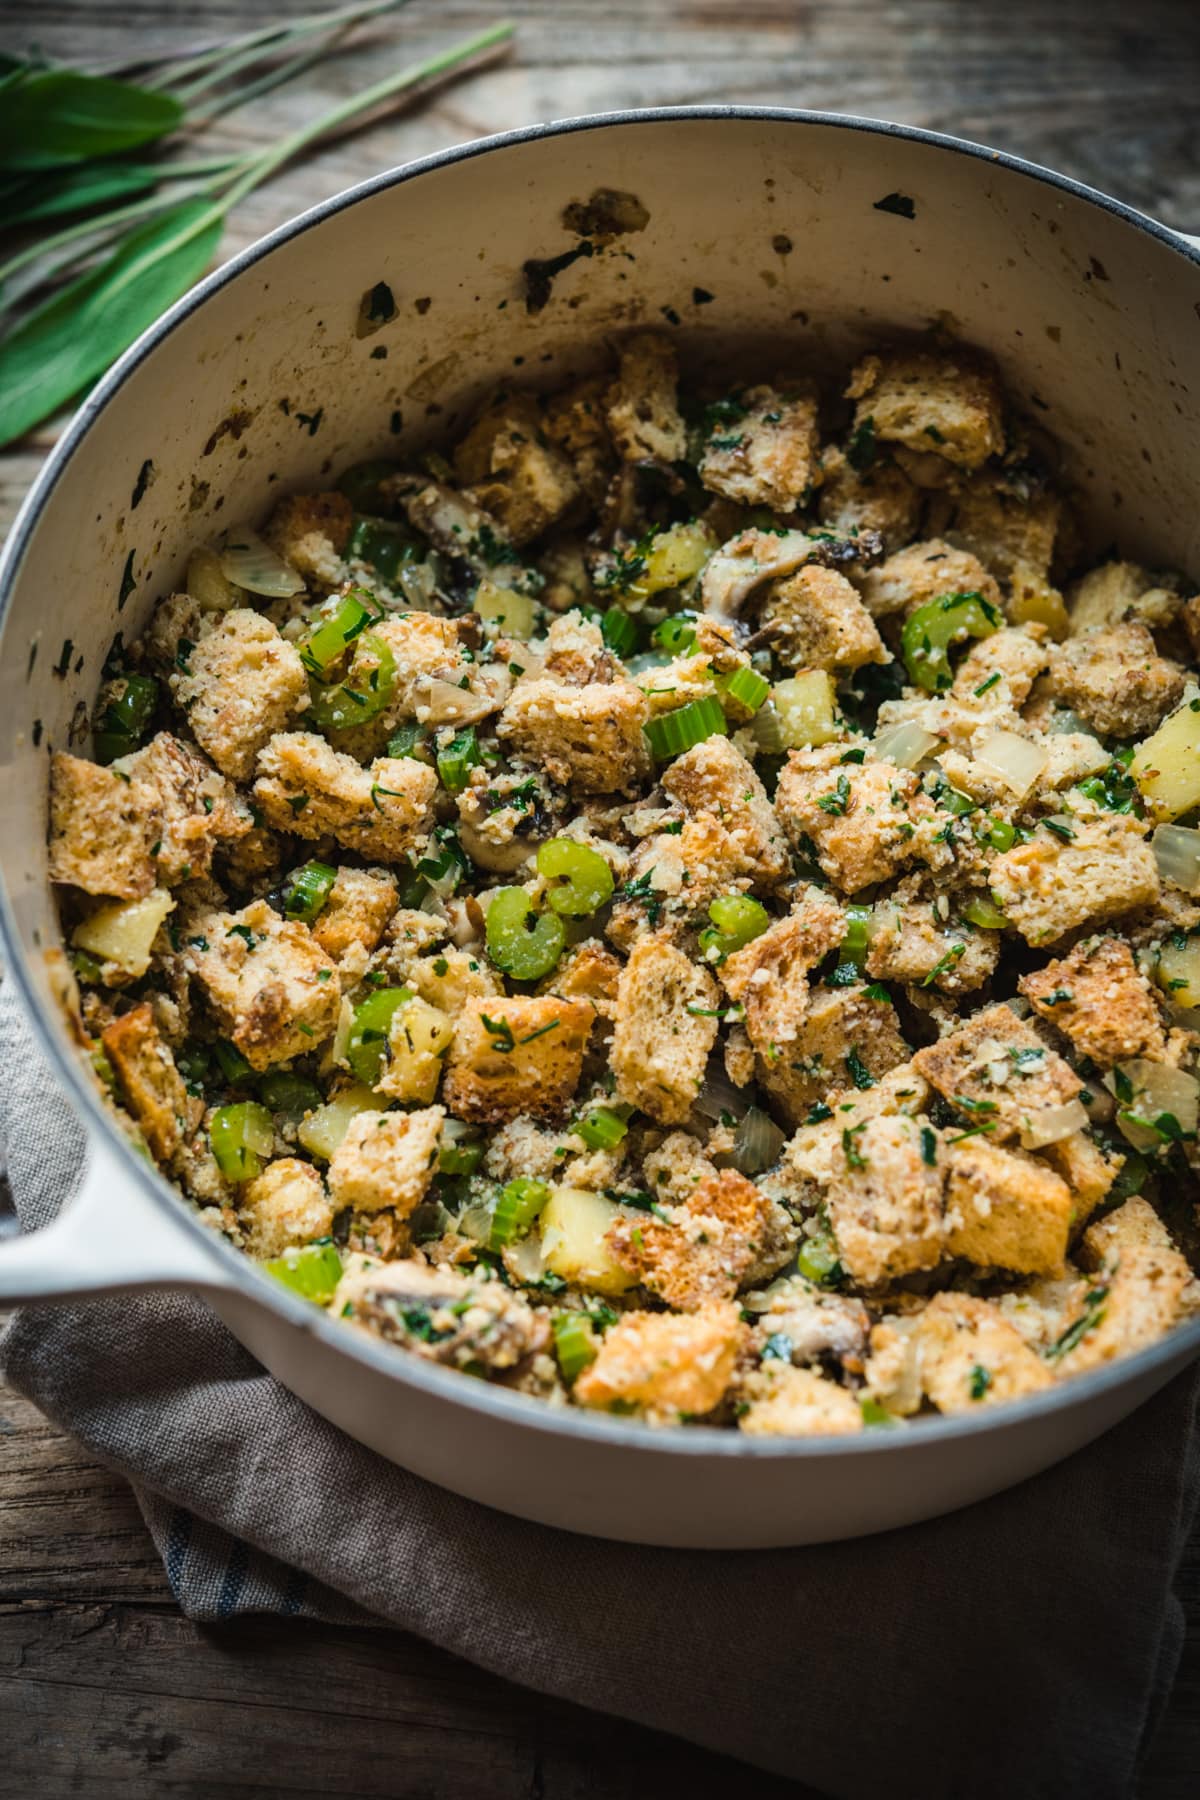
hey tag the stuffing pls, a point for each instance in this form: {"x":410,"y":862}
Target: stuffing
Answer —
{"x":450,"y":978}
{"x":1099,"y":999}
{"x":701,"y":1250}
{"x":103,"y":829}
{"x":1010,"y":525}
{"x":284,"y":1206}
{"x":714,"y":777}
{"x":1088,"y":1169}
{"x":1133,"y":1226}
{"x":238,"y":686}
{"x":846,"y":1034}
{"x":308,"y":788}
{"x":820,"y":623}
{"x":1017,"y":655}
{"x":266,"y":980}
{"x":924,"y":572}
{"x":666,"y":1025}
{"x":665,"y":1366}
{"x":198,"y":811}
{"x":970,"y":1355}
{"x":936,"y":403}
{"x":860,"y":817}
{"x":910,"y":942}
{"x":997,"y":1073}
{"x":885,"y":1198}
{"x":769,"y":976}
{"x":1116,"y":592}
{"x":1005,"y":1210}
{"x":878,"y":498}
{"x":1117,"y":681}
{"x":764,"y":450}
{"x":311,"y":532}
{"x":588,"y":738}
{"x":150,"y":1084}
{"x":175,"y":627}
{"x":517,"y":1055}
{"x":588,"y":972}
{"x":777,"y":1400}
{"x":360,"y":905}
{"x":465,"y":1322}
{"x":576,"y":421}
{"x":642,"y":408}
{"x":1051,"y":885}
{"x":509,"y":468}
{"x":386,"y":1160}
{"x":1140,"y":1287}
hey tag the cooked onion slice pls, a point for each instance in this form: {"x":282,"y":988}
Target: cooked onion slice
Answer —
{"x":251,"y":564}
{"x":1052,"y":1124}
{"x":1156,"y":1105}
{"x":1177,"y":853}
{"x":1014,"y":759}
{"x":905,"y":745}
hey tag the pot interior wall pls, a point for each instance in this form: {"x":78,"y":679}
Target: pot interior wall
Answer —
{"x":803,"y":238}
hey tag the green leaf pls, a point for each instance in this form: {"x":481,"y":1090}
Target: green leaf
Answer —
{"x":74,"y":338}
{"x":60,"y":116}
{"x":71,"y":190}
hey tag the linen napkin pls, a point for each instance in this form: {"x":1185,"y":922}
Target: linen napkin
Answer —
{"x":1021,"y":1647}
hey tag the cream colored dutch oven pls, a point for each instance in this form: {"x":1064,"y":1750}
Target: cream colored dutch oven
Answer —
{"x":812,"y":233}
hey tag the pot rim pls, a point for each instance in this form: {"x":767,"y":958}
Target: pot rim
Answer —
{"x":238,"y":1275}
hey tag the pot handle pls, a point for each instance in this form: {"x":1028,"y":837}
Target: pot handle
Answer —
{"x":112,"y":1238}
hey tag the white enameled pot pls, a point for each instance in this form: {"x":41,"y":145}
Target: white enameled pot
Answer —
{"x":805,"y":235}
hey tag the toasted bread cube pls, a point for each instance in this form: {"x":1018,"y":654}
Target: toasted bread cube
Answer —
{"x":1134,"y":1225}
{"x":242,"y":683}
{"x":714,"y":777}
{"x":643,"y":411}
{"x":198,"y":808}
{"x":266,"y":980}
{"x":516,"y":1055}
{"x":150,"y":1084}
{"x":311,"y":531}
{"x":859,"y":816}
{"x":909,"y":942}
{"x":1005,"y":1210}
{"x":175,"y":627}
{"x":1088,"y":1169}
{"x":809,"y":1155}
{"x":306,"y":787}
{"x":923,"y":572}
{"x":1117,"y":591}
{"x":1117,"y":681}
{"x":666,"y":1026}
{"x":947,"y":404}
{"x":1049,"y":886}
{"x":450,"y":977}
{"x":769,"y":976}
{"x":665,"y":1365}
{"x":712,"y":1241}
{"x":782,"y":1401}
{"x":885,"y":1199}
{"x":589,"y":738}
{"x":821,"y":623}
{"x":880,"y":498}
{"x":587,"y":972}
{"x":102,"y":829}
{"x":575,"y":420}
{"x":284,"y":1206}
{"x":1099,"y":998}
{"x":386,"y":1160}
{"x":360,"y":905}
{"x":768,"y":455}
{"x":1137,"y":1294}
{"x":846,"y":1033}
{"x":1010,"y":528}
{"x":997,"y":1073}
{"x":1017,"y":654}
{"x":508,"y":467}
{"x":970,"y":1355}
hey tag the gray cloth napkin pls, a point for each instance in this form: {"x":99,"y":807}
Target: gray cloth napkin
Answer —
{"x":1022,"y":1647}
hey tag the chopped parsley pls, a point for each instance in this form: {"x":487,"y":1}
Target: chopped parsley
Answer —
{"x":836,"y":802}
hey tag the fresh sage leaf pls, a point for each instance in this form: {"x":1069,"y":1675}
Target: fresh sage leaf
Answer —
{"x":74,"y":337}
{"x":76,"y":189}
{"x":58,"y":116}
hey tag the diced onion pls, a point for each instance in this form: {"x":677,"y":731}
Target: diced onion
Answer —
{"x":718,"y":1095}
{"x":1052,"y":1124}
{"x":905,"y":745}
{"x":416,"y":583}
{"x":476,"y":1222}
{"x":525,"y":1259}
{"x":1159,"y":1093}
{"x":208,"y":584}
{"x":767,"y":730}
{"x":756,"y":1143}
{"x":252,"y":564}
{"x":1014,"y":759}
{"x":1068,"y":724}
{"x":1177,"y":852}
{"x":439,"y":702}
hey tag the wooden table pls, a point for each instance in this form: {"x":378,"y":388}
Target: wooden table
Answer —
{"x":108,"y":1691}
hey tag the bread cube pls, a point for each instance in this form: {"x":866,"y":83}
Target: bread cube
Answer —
{"x":1099,"y":998}
{"x":777,"y":1400}
{"x":266,"y":980}
{"x":198,"y":809}
{"x":308,"y":788}
{"x":1005,"y":1210}
{"x":847,"y":1035}
{"x":643,"y":411}
{"x":311,"y":532}
{"x":922,"y":572}
{"x":1116,"y":680}
{"x":284,"y":1206}
{"x":103,"y":828}
{"x":885,"y":1199}
{"x":150,"y":1084}
{"x":516,"y":1055}
{"x":766,"y":455}
{"x":588,"y":738}
{"x":943,"y":403}
{"x":508,"y":466}
{"x":665,"y":1366}
{"x":360,"y":904}
{"x":386,"y":1160}
{"x":997,"y":1073}
{"x":665,"y":1028}
{"x":1050,"y":886}
{"x":820,"y":622}
{"x":970,"y":1355}
{"x":450,"y":977}
{"x":242,"y":683}
{"x":575,"y":419}
{"x":714,"y":777}
{"x":861,"y":817}
{"x":707,"y":1248}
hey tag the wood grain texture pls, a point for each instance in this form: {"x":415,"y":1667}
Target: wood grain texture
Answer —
{"x":104,"y":1689}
